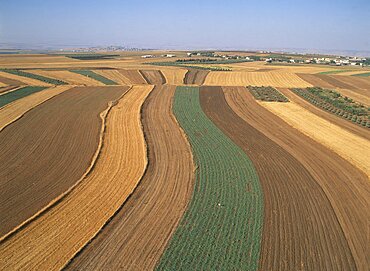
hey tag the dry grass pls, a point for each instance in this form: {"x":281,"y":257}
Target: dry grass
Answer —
{"x":276,"y":79}
{"x":54,"y":238}
{"x":174,"y":76}
{"x":13,"y":111}
{"x":351,"y":147}
{"x":115,"y":76}
{"x":69,"y":77}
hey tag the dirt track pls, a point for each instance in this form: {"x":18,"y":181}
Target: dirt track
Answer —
{"x":40,"y":159}
{"x":153,"y":77}
{"x":138,"y":234}
{"x":343,"y":123}
{"x":50,"y":241}
{"x":301,"y":230}
{"x":195,"y":77}
{"x":346,"y":187}
{"x":133,"y":76}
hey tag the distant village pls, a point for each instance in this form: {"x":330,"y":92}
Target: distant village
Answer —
{"x":281,"y":58}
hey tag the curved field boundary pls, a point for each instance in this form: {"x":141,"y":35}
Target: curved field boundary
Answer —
{"x":195,"y":77}
{"x":23,"y":80}
{"x":136,"y":237}
{"x":153,"y":77}
{"x":15,"y":110}
{"x":174,"y":76}
{"x":275,"y":79}
{"x":134,"y":76}
{"x":95,"y":76}
{"x":345,"y":124}
{"x":18,"y":94}
{"x":70,"y":77}
{"x":49,"y":242}
{"x":41,"y":78}
{"x":347,"y":187}
{"x":350,"y":146}
{"x":31,"y":183}
{"x":221,"y":229}
{"x":114,"y":75}
{"x":300,"y":228}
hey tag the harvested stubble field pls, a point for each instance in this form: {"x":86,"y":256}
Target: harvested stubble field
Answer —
{"x":352,"y":147}
{"x":295,"y":233}
{"x":222,"y":227}
{"x":331,"y":171}
{"x":47,"y":169}
{"x":179,"y":178}
{"x":275,"y":79}
{"x":138,"y":234}
{"x":95,"y":76}
{"x":50,"y":241}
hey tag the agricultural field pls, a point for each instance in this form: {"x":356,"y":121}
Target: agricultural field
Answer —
{"x":112,"y":161}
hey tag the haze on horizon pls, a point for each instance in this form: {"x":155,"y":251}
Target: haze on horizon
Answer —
{"x":236,"y":24}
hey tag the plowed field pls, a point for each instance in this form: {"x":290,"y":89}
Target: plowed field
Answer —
{"x":195,"y":77}
{"x":153,"y":77}
{"x":134,"y":76}
{"x":40,"y":159}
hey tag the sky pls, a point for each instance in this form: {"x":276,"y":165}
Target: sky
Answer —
{"x":191,"y":24}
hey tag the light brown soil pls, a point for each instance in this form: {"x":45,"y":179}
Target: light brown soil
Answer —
{"x":138,"y":234}
{"x":133,"y":76}
{"x":343,"y":123}
{"x":7,"y":89}
{"x":347,"y":188}
{"x":174,"y":76}
{"x":314,"y":80}
{"x":114,"y":75}
{"x":300,"y":230}
{"x":153,"y":77}
{"x":11,"y":82}
{"x":195,"y":77}
{"x":51,"y":240}
{"x":69,"y":77}
{"x":361,"y":85}
{"x":23,"y":80}
{"x":47,"y":151}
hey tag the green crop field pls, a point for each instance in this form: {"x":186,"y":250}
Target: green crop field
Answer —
{"x":221,"y":230}
{"x":366,"y":74}
{"x":17,"y":94}
{"x":95,"y":76}
{"x":334,"y":71}
{"x":35,"y":76}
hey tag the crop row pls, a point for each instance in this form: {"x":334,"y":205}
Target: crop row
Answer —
{"x":335,"y":103}
{"x":221,"y":230}
{"x":268,"y":94}
{"x":95,"y":76}
{"x":35,"y":76}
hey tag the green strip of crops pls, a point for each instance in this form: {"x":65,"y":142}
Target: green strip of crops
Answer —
{"x":366,"y":74}
{"x":17,"y":94}
{"x":334,"y":71}
{"x":95,"y":76}
{"x":221,"y":230}
{"x":36,"y":76}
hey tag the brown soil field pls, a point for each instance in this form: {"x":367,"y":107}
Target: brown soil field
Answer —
{"x":23,"y":80}
{"x":138,"y":234}
{"x":345,"y":124}
{"x":195,"y":77}
{"x":40,"y":159}
{"x":314,"y":80}
{"x":69,"y":77}
{"x":115,"y":76}
{"x":11,"y":82}
{"x":153,"y":77}
{"x":354,"y":148}
{"x":174,"y":76}
{"x":15,"y":110}
{"x":133,"y":76}
{"x":347,"y":188}
{"x":50,"y":241}
{"x":275,"y":79}
{"x":362,"y":85}
{"x":336,"y":81}
{"x":300,"y":229}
